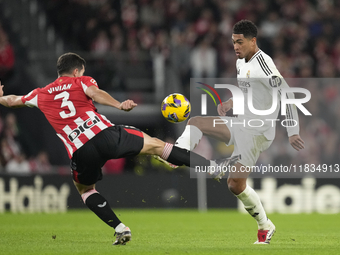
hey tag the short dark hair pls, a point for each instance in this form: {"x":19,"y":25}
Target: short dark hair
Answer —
{"x":245,"y":27}
{"x":68,"y":62}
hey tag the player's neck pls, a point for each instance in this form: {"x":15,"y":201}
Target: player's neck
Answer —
{"x":66,"y":75}
{"x":252,"y":54}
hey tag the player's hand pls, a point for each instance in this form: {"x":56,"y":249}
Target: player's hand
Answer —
{"x":223,"y":108}
{"x":1,"y":90}
{"x":296,"y":142}
{"x":127,"y":105}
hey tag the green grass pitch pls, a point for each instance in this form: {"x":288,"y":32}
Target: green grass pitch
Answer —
{"x":167,"y":232}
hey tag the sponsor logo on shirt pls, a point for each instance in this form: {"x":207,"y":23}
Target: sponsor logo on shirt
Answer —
{"x":275,"y":81}
{"x":89,"y":123}
{"x":93,"y":81}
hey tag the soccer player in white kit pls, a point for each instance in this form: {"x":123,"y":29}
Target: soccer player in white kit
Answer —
{"x":256,"y":71}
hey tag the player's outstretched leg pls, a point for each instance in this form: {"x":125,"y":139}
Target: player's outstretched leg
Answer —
{"x":185,"y":142}
{"x":175,"y":155}
{"x":100,"y":206}
{"x":253,"y":206}
{"x":195,"y":129}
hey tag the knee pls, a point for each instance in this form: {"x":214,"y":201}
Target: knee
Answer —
{"x":83,"y":188}
{"x":231,"y":184}
{"x":236,"y":185}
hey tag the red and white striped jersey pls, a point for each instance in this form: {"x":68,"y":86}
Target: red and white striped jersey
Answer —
{"x":69,"y":110}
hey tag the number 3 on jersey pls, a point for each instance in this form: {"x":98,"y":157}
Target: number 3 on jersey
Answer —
{"x":65,"y":103}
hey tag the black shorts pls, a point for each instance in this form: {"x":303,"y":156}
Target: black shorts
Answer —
{"x":111,"y":143}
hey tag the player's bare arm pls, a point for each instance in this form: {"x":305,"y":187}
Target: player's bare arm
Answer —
{"x":11,"y":101}
{"x":104,"y":98}
{"x":296,"y":142}
{"x":223,"y":108}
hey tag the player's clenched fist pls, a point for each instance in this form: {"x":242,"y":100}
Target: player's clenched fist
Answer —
{"x":223,"y":108}
{"x":127,"y":105}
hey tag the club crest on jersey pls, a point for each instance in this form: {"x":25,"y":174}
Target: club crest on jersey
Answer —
{"x":248,"y":74}
{"x":82,"y":128}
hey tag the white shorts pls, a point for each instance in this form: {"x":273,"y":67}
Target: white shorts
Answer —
{"x":248,"y":145}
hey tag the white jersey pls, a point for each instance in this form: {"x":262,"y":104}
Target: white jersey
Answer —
{"x":261,"y":75}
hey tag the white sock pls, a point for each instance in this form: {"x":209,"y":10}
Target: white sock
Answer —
{"x":120,"y":227}
{"x":253,"y":205}
{"x":190,"y":137}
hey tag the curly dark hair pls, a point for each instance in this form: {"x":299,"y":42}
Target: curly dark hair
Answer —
{"x":245,"y":27}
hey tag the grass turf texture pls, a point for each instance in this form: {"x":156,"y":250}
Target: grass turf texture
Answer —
{"x":167,"y":232}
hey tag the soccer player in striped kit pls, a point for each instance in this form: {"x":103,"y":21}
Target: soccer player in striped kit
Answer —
{"x":255,"y":70}
{"x":90,"y":138}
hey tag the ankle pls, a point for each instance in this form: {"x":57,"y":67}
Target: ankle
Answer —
{"x":263,"y":224}
{"x":120,"y":227}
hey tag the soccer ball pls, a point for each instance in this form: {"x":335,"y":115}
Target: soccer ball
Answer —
{"x":176,"y":108}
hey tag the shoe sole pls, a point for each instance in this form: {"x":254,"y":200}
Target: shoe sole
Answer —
{"x":126,"y":237}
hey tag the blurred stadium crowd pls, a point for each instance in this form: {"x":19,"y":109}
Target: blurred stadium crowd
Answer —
{"x":194,"y":38}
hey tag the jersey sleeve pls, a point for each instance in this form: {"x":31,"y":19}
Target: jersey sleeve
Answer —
{"x":292,"y":117}
{"x":275,"y":80}
{"x":87,"y":81}
{"x":31,"y":99}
